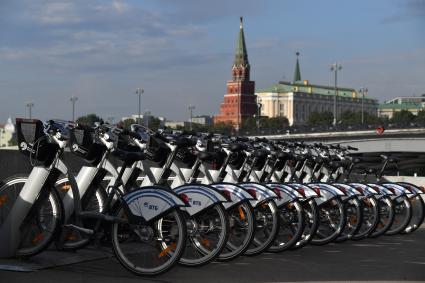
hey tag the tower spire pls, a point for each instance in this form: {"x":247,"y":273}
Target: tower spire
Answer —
{"x":297,"y":74}
{"x":241,"y":55}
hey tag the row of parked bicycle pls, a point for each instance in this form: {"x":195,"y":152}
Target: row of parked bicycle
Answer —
{"x":163,"y":198}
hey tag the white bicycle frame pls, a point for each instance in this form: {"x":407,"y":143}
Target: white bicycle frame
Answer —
{"x":9,"y":231}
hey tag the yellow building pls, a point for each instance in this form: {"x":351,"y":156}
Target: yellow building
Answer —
{"x":297,"y":100}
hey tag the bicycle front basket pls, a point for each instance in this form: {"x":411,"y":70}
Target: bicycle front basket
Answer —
{"x":32,"y":140}
{"x":83,"y":144}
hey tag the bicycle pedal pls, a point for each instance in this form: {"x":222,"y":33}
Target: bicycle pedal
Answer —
{"x":81,"y":229}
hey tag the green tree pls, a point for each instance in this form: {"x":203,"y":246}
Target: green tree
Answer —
{"x":402,"y":118}
{"x":154,"y":123}
{"x":350,"y":118}
{"x":320,"y":118}
{"x":89,"y":120}
{"x":222,"y":128}
{"x":277,"y":123}
{"x":127,"y":123}
{"x":420,"y":118}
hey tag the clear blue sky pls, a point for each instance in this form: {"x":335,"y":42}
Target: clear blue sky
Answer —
{"x":181,"y":51}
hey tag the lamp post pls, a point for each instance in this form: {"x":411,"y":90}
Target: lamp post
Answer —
{"x":335,"y":68}
{"x":139,"y":91}
{"x":258,"y":115}
{"x":363,"y":90}
{"x":73,"y":99}
{"x":30,"y":105}
{"x":191,"y":108}
{"x":238,"y":118}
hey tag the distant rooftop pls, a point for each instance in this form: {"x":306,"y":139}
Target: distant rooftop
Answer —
{"x":400,"y":106}
{"x":306,"y":87}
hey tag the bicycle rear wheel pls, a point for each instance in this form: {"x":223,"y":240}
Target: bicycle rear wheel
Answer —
{"x":241,"y":231}
{"x":354,"y":216}
{"x":386,"y":217}
{"x":93,"y":201}
{"x":267,"y":227}
{"x":370,"y":218}
{"x":291,"y":226}
{"x":207,"y":234}
{"x":403,"y":214}
{"x":418,"y":214}
{"x":311,"y":214}
{"x":43,"y":221}
{"x":332,"y":222}
{"x":149,"y":249}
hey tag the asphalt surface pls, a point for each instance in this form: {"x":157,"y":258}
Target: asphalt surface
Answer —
{"x":388,"y":258}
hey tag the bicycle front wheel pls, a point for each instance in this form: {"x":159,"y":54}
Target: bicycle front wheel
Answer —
{"x":149,"y":249}
{"x":42,"y":222}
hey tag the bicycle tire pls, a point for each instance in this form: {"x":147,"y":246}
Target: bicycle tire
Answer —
{"x":39,"y":235}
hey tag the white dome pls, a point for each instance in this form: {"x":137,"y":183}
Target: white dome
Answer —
{"x":9,"y":127}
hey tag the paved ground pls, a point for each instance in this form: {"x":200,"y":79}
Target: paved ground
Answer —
{"x":398,"y":258}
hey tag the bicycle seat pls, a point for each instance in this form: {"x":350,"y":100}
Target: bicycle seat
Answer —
{"x":318,"y":159}
{"x":391,"y":159}
{"x":260,"y":153}
{"x":208,"y":156}
{"x":234,"y":147}
{"x":336,"y":164}
{"x":284,"y":155}
{"x":183,"y":142}
{"x":128,"y":156}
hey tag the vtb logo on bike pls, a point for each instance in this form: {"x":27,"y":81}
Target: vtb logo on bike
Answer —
{"x":150,"y":206}
{"x":195,"y":202}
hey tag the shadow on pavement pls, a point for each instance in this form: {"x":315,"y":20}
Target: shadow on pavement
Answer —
{"x":389,"y":258}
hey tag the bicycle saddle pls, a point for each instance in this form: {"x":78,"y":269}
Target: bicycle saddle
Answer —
{"x":128,"y":156}
{"x":234,"y":147}
{"x":208,"y":156}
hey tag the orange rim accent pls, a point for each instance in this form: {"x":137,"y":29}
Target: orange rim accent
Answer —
{"x":241,"y":213}
{"x":290,"y":237}
{"x":352,"y":220}
{"x":38,"y":238}
{"x":165,"y":251}
{"x":205,"y":242}
{"x":65,"y":188}
{"x":71,"y":237}
{"x":289,"y":205}
{"x":3,"y":199}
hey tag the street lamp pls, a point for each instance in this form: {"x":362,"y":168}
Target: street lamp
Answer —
{"x":335,"y":68}
{"x":363,"y":90}
{"x":258,"y":115}
{"x":191,"y":108}
{"x":73,"y":99}
{"x":139,"y":91}
{"x":30,"y":105}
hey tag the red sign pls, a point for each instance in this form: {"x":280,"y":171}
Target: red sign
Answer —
{"x":380,"y":130}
